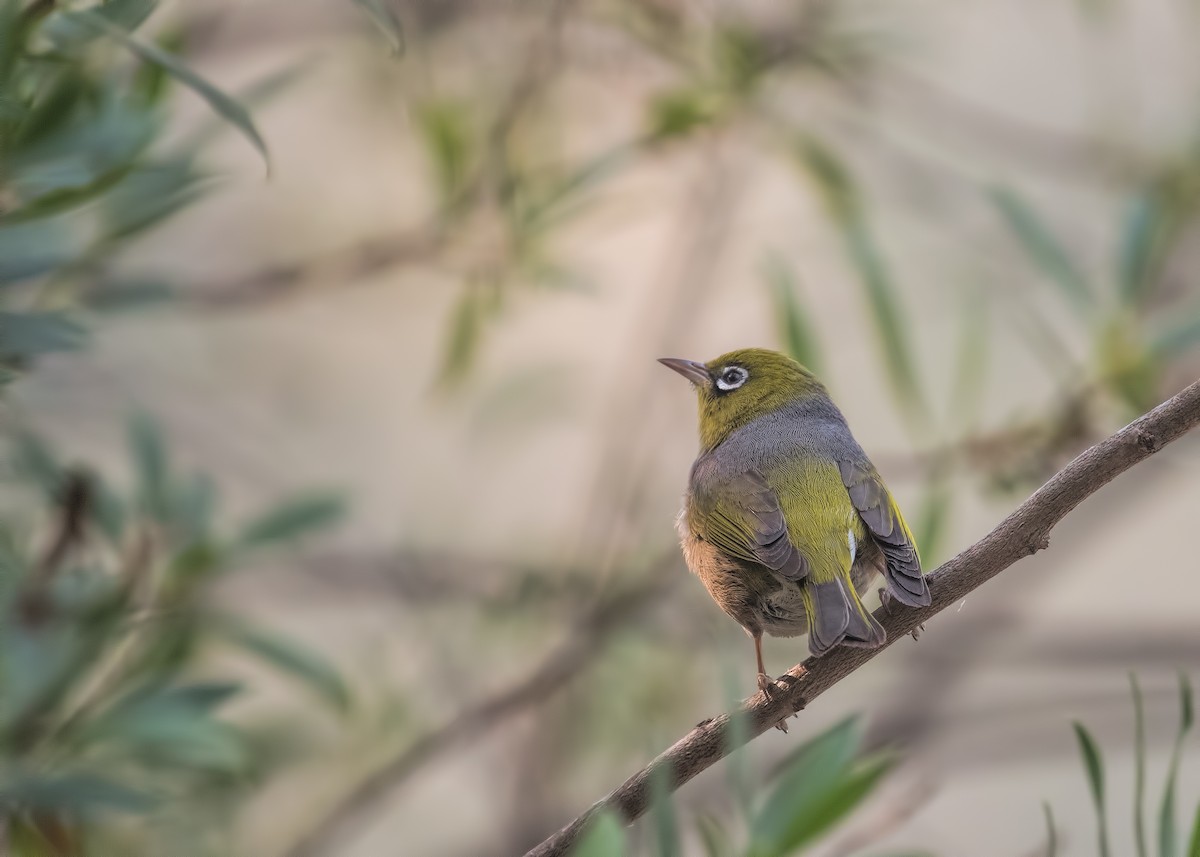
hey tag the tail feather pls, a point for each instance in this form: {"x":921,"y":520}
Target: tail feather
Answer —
{"x":837,"y":615}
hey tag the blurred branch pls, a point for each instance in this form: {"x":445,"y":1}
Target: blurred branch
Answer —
{"x":1053,"y":152}
{"x":1023,"y":533}
{"x":347,"y":264}
{"x":585,"y":643}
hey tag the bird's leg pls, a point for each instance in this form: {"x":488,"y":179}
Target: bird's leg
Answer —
{"x":764,"y":681}
{"x":885,"y":598}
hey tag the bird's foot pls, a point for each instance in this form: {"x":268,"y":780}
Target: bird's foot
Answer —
{"x":766,"y":684}
{"x":771,"y":691}
{"x":885,"y":598}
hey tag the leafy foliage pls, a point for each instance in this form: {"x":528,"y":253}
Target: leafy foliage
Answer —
{"x":1169,"y":835}
{"x":103,"y":617}
{"x":818,"y":785}
{"x":84,"y":102}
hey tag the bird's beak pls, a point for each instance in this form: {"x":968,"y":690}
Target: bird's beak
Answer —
{"x":690,"y":369}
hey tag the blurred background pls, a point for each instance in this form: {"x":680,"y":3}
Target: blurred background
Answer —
{"x":339,"y":478}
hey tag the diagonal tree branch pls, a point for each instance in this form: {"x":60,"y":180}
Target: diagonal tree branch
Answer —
{"x":1023,"y":533}
{"x":352,"y":811}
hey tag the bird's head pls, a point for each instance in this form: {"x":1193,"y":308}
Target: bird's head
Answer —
{"x":743,"y":385}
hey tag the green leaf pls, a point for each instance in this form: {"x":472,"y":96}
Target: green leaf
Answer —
{"x":53,"y":105}
{"x":114,"y":296}
{"x":32,"y":249}
{"x":738,"y":775}
{"x":836,"y":187}
{"x":126,"y":14}
{"x":1194,"y":844}
{"x":172,"y":726}
{"x":192,"y":507}
{"x":108,"y":510}
{"x":149,"y":455}
{"x":385,"y":19}
{"x":466,"y":331}
{"x":262,"y":91}
{"x":149,"y":195}
{"x":35,"y":461}
{"x":72,"y":793}
{"x":231,"y":110}
{"x":889,"y":322}
{"x":677,"y":113}
{"x":65,"y":199}
{"x":712,"y":835}
{"x":810,"y":773}
{"x":812,"y":820}
{"x":291,"y":520}
{"x":1139,"y":772}
{"x":603,"y":837}
{"x":932,"y":520}
{"x":1167,"y":834}
{"x":1141,"y":241}
{"x":34,"y":333}
{"x":71,"y":36}
{"x":1051,"y":831}
{"x":1094,"y":768}
{"x":445,"y":128}
{"x":844,"y":203}
{"x":970,"y":365}
{"x":791,"y":318}
{"x":662,"y":809}
{"x":1180,"y":334}
{"x":1042,"y":247}
{"x":290,"y":657}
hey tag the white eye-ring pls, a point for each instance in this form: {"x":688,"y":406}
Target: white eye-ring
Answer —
{"x":732,"y":377}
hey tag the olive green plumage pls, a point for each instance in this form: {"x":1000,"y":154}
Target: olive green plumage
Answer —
{"x":785,"y":520}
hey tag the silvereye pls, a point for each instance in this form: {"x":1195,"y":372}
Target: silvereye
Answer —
{"x":785,"y":519}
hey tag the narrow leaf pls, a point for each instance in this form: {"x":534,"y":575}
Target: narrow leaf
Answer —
{"x":971,"y":362}
{"x":385,"y":19}
{"x":72,"y":793}
{"x":31,"y":334}
{"x":791,"y":319}
{"x":1051,"y":831}
{"x":290,"y":657}
{"x":231,"y":110}
{"x":1042,"y":247}
{"x":1094,"y":767}
{"x":885,"y":312}
{"x":932,"y":519}
{"x":812,"y":821}
{"x":1194,"y":845}
{"x":1139,"y":772}
{"x":291,"y":520}
{"x":810,"y":773}
{"x":1140,"y":243}
{"x":1167,"y":834}
{"x":1181,"y":333}
{"x":604,"y":837}
{"x":666,"y":823}
{"x":149,"y":455}
{"x":32,"y":249}
{"x":712,"y":835}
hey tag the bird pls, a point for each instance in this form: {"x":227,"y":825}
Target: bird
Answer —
{"x":785,"y":520}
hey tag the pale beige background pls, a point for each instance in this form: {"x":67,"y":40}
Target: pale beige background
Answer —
{"x":333,"y":388}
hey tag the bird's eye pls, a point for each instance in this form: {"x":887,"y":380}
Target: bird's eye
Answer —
{"x":732,"y":377}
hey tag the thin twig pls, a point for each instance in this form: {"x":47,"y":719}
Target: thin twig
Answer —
{"x":563,"y":664}
{"x":1023,"y":533}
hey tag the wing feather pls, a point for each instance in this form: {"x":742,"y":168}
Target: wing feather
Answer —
{"x":883,"y":519}
{"x":742,"y":517}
